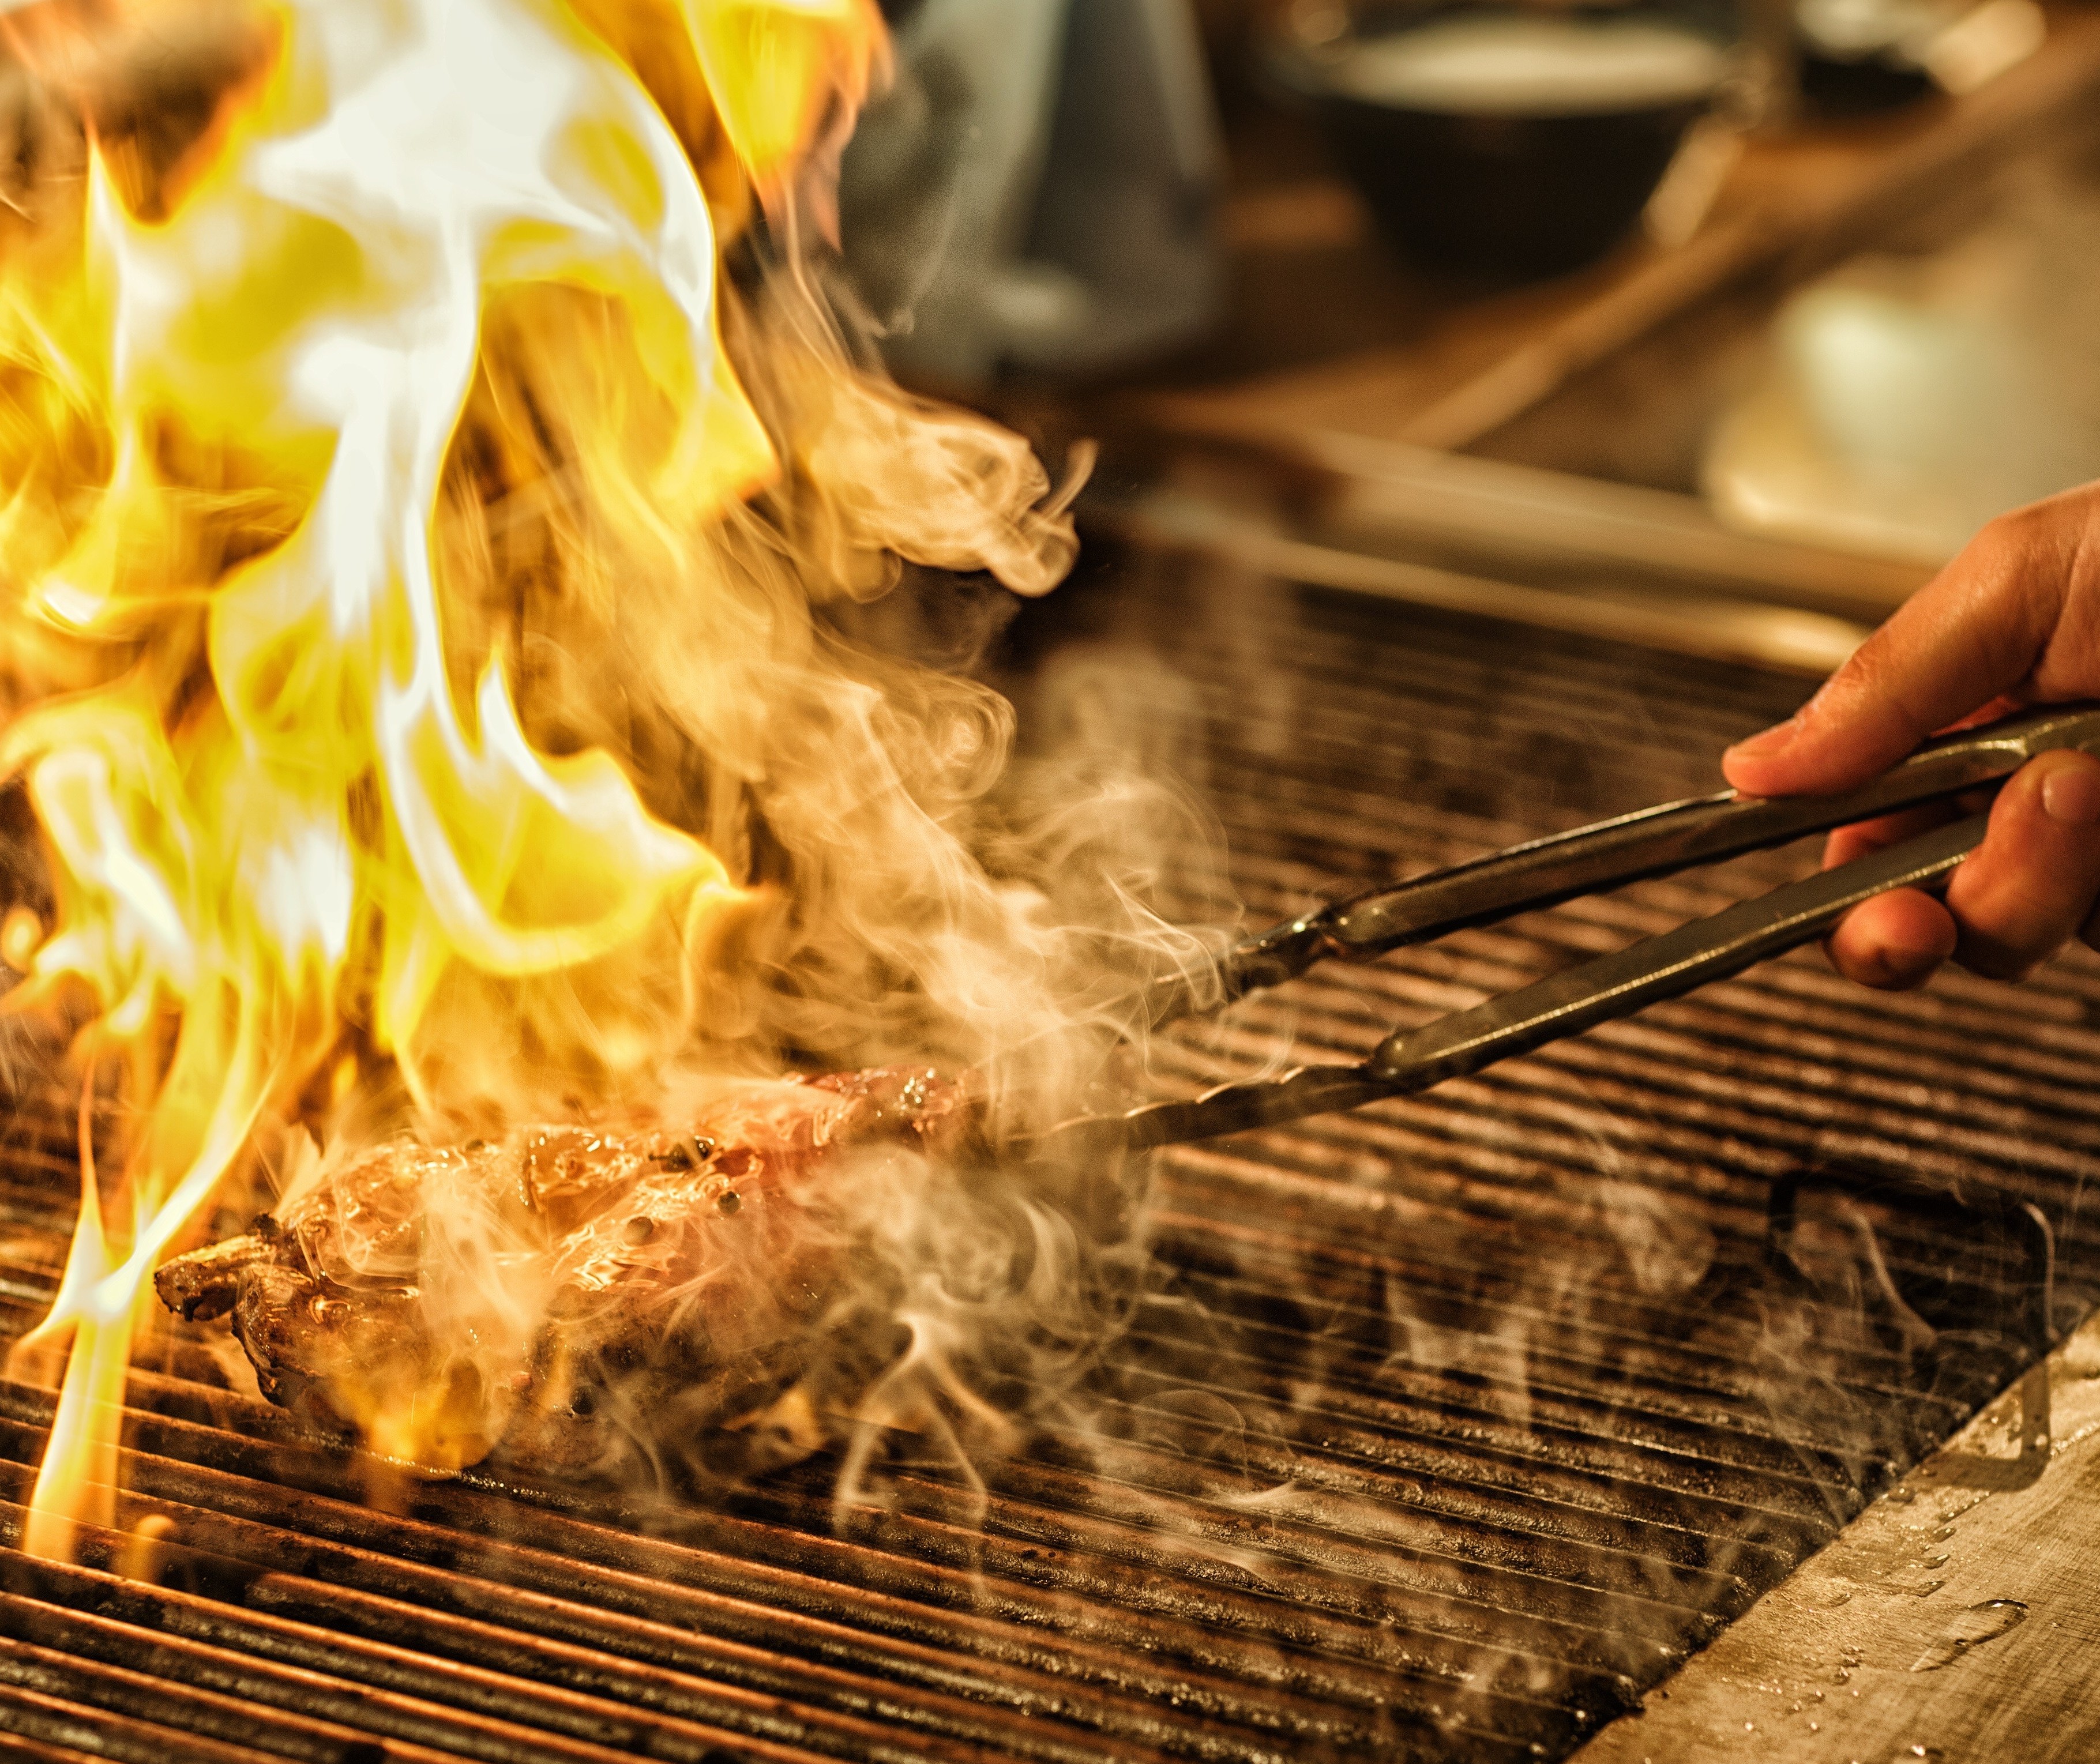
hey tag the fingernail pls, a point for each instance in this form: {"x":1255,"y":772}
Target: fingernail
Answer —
{"x":2071,"y":794}
{"x":1779,"y":735}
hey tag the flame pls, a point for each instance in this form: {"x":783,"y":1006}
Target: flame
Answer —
{"x":275,"y":412}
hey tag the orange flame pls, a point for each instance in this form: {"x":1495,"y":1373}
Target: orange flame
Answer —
{"x":272,"y":730}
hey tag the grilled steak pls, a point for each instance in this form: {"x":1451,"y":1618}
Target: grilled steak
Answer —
{"x":447,"y":1301}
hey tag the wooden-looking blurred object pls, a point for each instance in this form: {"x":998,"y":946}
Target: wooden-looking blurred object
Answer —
{"x":1801,"y":207}
{"x":1358,"y":450}
{"x":1950,"y":1620}
{"x":1793,"y":205}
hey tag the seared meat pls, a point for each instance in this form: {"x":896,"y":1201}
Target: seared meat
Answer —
{"x":447,"y":1300}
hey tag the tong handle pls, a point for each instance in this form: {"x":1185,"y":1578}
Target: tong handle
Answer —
{"x":1630,"y":848}
{"x":1601,"y":991}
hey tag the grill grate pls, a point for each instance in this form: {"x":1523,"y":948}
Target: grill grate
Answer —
{"x":1444,"y":1430}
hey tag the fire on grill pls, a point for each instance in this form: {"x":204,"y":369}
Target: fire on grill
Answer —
{"x":430,"y":458}
{"x":508,"y":899}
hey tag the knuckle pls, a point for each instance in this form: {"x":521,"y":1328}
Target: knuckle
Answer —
{"x":2010,"y":532}
{"x":1869,"y":673}
{"x":2019,"y":535}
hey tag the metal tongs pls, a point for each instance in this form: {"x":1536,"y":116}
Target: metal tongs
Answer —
{"x":1652,"y":842}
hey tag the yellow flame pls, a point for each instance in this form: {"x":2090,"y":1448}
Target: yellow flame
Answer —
{"x":781,"y":70}
{"x":270,"y":733}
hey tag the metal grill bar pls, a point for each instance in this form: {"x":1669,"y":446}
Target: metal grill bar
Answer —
{"x":1438,"y":1433}
{"x":56,"y":1725}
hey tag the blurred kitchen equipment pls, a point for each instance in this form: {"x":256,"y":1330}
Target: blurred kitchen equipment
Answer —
{"x":1852,"y":59}
{"x":1901,"y":401}
{"x":1037,"y":189}
{"x":1862,"y":55}
{"x":1506,"y":141}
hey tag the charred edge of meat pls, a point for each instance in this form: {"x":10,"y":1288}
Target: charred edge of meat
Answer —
{"x":206,"y":1283}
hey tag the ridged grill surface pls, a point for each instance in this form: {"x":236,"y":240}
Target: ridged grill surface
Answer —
{"x":1443,"y":1429}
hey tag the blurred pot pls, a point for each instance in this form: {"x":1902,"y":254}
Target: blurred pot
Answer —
{"x":1504,"y":141}
{"x":1860,"y":56}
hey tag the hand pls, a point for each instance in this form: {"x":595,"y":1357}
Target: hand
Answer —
{"x":2014,"y":620}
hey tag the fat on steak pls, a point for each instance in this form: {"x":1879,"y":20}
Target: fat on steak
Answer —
{"x":451,"y":1301}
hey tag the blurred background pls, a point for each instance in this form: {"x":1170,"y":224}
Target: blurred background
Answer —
{"x":1713,"y":324}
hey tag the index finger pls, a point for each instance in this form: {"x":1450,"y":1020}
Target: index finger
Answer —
{"x":1973,"y":633}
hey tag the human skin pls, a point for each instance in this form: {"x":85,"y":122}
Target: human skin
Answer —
{"x":2013,"y":621}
